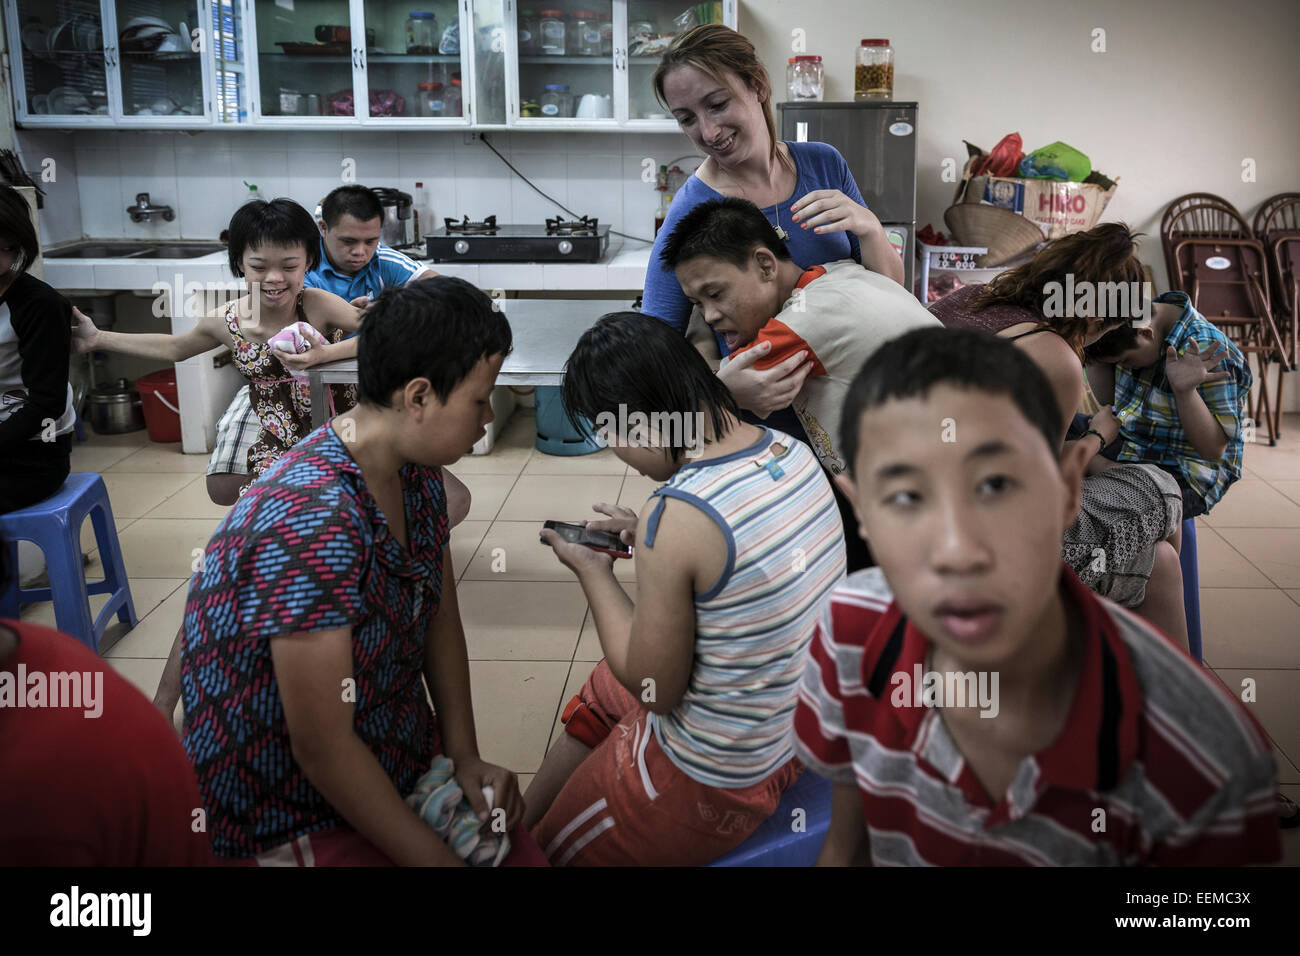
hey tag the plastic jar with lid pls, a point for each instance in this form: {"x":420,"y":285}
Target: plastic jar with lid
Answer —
{"x":803,"y":78}
{"x":873,"y":75}
{"x":452,"y":98}
{"x":584,"y":34}
{"x":551,"y":29}
{"x":529,"y":37}
{"x":557,"y":101}
{"x":421,"y":32}
{"x":430,"y":102}
{"x":606,"y":34}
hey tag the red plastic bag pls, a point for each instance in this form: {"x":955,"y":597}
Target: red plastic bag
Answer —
{"x":1003,"y":160}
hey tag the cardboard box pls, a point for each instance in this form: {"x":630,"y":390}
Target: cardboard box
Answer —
{"x":1058,"y":208}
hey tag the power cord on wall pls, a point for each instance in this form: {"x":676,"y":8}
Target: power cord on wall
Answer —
{"x":552,"y":199}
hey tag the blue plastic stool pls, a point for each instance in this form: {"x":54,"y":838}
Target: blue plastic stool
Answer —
{"x":1191,"y":587}
{"x":55,"y":526}
{"x":555,"y":433}
{"x":775,"y":842}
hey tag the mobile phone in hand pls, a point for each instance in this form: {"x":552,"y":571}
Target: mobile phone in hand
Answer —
{"x":605,"y":541}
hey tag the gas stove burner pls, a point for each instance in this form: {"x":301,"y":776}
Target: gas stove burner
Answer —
{"x":559,"y":226}
{"x":465,"y":227}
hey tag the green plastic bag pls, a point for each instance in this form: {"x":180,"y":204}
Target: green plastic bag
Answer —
{"x":1056,"y":161}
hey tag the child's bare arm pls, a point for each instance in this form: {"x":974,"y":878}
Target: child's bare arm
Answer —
{"x":207,"y":334}
{"x":327,"y":311}
{"x":846,"y":838}
{"x":310,"y":669}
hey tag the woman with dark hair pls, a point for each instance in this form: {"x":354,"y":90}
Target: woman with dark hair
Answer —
{"x":1124,"y":543}
{"x":36,"y":410}
{"x":273,"y":245}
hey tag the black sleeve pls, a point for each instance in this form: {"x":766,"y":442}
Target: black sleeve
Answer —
{"x":42,"y":320}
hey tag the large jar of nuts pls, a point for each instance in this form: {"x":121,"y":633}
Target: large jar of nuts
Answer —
{"x":873,"y":76}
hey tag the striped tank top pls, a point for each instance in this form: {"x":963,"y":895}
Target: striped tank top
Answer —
{"x":785,"y":553}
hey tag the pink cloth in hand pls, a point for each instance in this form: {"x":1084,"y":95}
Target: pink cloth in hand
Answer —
{"x":298,"y":337}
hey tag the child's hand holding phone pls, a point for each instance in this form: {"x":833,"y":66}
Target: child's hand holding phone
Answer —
{"x":621,"y":521}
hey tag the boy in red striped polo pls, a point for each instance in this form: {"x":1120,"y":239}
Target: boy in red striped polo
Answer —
{"x":972,"y":701}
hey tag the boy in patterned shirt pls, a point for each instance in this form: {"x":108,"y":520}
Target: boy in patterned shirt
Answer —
{"x":971,"y":700}
{"x":1171,"y":409}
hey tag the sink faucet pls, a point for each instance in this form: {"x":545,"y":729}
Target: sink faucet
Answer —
{"x":144,"y":211}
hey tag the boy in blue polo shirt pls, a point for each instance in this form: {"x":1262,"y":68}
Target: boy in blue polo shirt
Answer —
{"x":1172,"y":409}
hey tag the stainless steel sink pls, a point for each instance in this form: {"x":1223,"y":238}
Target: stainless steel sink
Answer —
{"x":127,"y":249}
{"x":98,"y":249}
{"x":181,"y":250}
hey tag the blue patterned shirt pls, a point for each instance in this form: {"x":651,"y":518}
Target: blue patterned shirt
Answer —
{"x":1148,"y":414}
{"x":307,"y":549}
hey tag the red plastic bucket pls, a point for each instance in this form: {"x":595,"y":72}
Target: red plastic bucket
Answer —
{"x":162,"y":407}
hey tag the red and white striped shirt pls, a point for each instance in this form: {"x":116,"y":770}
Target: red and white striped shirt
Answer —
{"x":1181,"y":773}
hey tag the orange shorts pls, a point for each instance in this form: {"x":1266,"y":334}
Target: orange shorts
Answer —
{"x":627,"y":804}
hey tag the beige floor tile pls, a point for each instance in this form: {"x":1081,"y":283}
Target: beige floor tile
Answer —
{"x":1249,"y":627}
{"x":135,"y":439}
{"x":90,"y":544}
{"x":465,"y":538}
{"x":1274,"y":707}
{"x":147,"y":593}
{"x":514,"y":707}
{"x":510,"y":453}
{"x":559,"y":497}
{"x":577,"y":677}
{"x":1288,"y":487}
{"x":191,"y":501}
{"x":153,"y":637}
{"x":165,"y":547}
{"x":525,"y":558}
{"x":603,"y":462}
{"x":1275,"y":551}
{"x":588,"y":641}
{"x":1294,"y":594}
{"x":1282,"y":461}
{"x":524,"y":780}
{"x":636,"y":489}
{"x":99,"y":458}
{"x":143,"y":673}
{"x":487,"y":494}
{"x":1220,"y":566}
{"x":133,"y":496}
{"x":521,"y":620}
{"x":153,"y":459}
{"x":1254,"y":503}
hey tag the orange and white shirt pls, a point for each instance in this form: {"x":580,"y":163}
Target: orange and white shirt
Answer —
{"x":840,"y":313}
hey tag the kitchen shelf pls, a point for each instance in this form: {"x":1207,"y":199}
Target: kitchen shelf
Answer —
{"x":605,"y":61}
{"x":370,"y":57}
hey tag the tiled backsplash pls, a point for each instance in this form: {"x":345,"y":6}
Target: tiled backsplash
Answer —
{"x":201,"y":176}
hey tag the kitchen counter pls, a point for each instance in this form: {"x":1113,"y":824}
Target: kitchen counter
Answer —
{"x":622,"y":269}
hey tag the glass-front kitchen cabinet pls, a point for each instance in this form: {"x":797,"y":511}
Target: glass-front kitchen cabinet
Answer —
{"x":489,"y":64}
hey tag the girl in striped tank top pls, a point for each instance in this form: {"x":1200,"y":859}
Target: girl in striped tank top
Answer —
{"x":679,"y":744}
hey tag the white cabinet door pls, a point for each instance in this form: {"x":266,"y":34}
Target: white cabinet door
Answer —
{"x":160,"y":62}
{"x":60,"y":62}
{"x":562,"y":71}
{"x":302,"y":55}
{"x":418,"y":72}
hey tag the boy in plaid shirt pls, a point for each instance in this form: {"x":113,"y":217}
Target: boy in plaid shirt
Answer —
{"x":1171,"y":408}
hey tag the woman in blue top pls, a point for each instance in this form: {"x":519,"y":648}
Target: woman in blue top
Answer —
{"x":712,"y":81}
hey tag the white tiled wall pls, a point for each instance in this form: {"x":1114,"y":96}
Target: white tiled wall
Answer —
{"x":201,"y":175}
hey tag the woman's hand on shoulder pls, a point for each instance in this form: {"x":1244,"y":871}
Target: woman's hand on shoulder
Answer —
{"x":830,"y":210}
{"x":764,"y":391}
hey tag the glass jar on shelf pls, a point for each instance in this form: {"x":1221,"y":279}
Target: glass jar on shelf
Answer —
{"x":803,"y":78}
{"x":873,"y":75}
{"x":584,"y":34}
{"x":430,"y":101}
{"x":552,"y":28}
{"x":606,"y":34}
{"x":557,"y":101}
{"x":638,"y":27}
{"x":421,"y":32}
{"x":529,"y":38}
{"x":452,"y":97}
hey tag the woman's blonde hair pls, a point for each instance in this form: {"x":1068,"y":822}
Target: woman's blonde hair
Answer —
{"x":716,"y":51}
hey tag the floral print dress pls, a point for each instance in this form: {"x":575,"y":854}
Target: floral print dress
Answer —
{"x":281,"y":402}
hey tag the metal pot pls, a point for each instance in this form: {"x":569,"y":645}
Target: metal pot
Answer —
{"x":396,"y":230}
{"x":114,"y":409}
